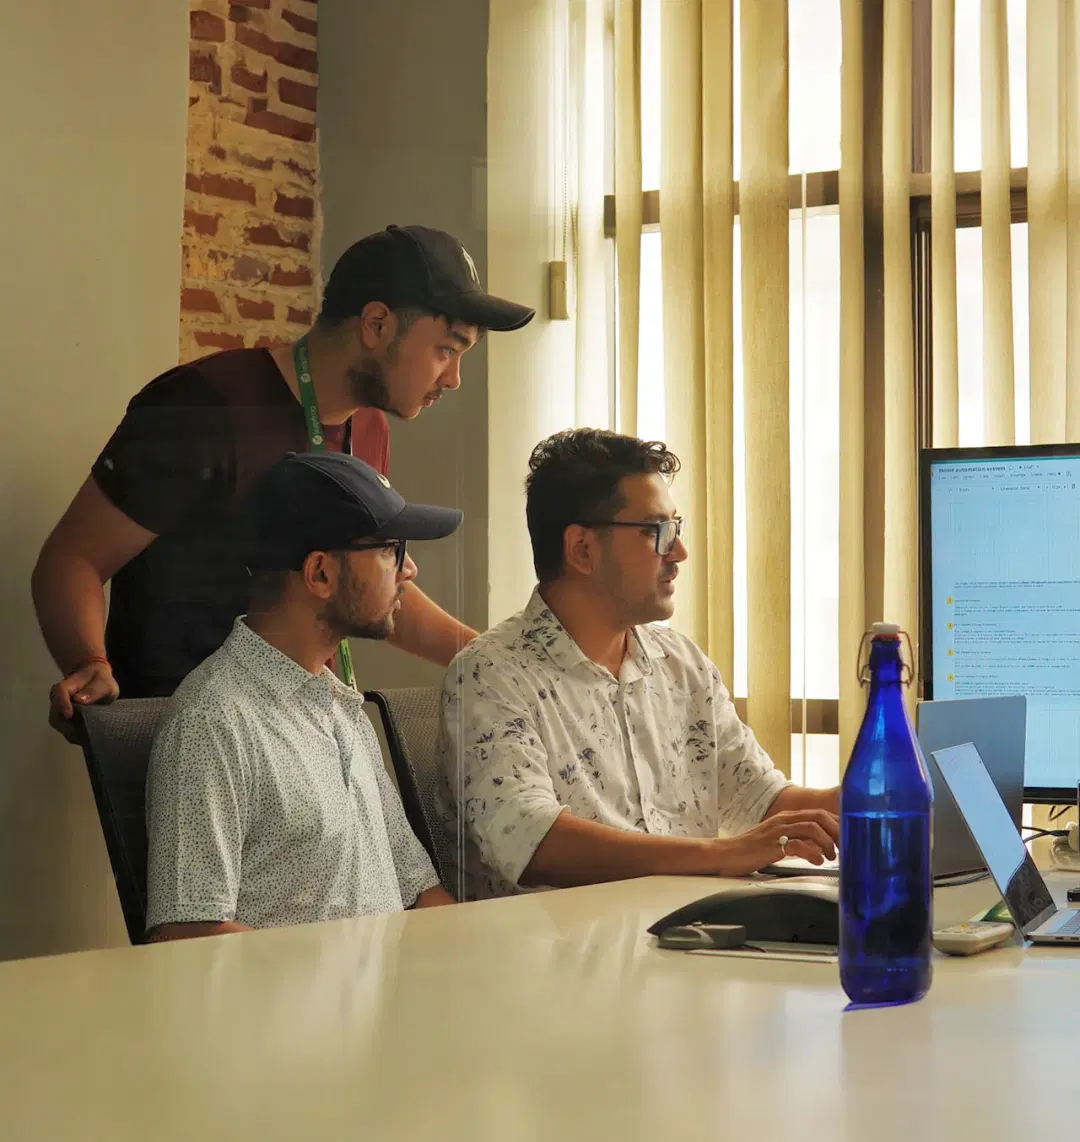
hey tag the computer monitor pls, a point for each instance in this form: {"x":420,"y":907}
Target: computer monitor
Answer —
{"x":1000,"y":540}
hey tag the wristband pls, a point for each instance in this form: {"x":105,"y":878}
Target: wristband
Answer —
{"x":93,"y":658}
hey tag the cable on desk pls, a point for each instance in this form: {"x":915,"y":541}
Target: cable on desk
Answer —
{"x":952,"y":880}
{"x":1035,"y":834}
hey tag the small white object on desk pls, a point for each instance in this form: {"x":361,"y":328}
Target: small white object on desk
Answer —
{"x":972,"y":937}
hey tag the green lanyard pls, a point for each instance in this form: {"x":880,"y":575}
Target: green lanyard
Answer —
{"x":315,"y":439}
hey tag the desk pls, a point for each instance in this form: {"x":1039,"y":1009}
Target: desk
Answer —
{"x":551,"y":1016}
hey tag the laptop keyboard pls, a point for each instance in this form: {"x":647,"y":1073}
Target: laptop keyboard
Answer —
{"x":1070,"y":927}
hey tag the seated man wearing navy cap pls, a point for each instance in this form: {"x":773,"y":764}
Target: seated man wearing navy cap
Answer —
{"x":267,"y":800}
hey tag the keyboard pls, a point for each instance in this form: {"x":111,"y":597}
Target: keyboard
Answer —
{"x":1069,"y":927}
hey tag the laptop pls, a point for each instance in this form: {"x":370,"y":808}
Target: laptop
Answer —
{"x":998,"y":727}
{"x":1003,"y":849}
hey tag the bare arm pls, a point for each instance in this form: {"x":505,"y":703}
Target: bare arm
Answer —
{"x":434,"y":898}
{"x":423,"y":628}
{"x":92,"y":541}
{"x":576,"y":852}
{"x":165,"y":932}
{"x":795,"y":797}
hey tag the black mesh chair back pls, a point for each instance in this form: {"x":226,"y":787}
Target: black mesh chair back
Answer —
{"x":116,"y":741}
{"x":410,"y":719}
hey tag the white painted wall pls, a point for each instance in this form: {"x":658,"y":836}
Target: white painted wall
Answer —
{"x":91,"y":195}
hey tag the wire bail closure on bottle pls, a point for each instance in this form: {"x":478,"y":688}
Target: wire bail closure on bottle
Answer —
{"x":862,"y":665}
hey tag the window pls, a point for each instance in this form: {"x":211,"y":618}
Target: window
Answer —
{"x":814,"y":146}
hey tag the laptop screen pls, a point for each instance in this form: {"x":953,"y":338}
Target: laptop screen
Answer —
{"x":1000,"y":843}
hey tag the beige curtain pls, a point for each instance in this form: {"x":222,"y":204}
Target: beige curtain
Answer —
{"x":999,"y":416}
{"x":628,"y":204}
{"x":852,"y":616}
{"x":946,"y":370}
{"x":763,"y":217}
{"x":1047,"y":222}
{"x":682,"y":227}
{"x":719,"y":206}
{"x":900,"y":578}
{"x":1071,"y":54}
{"x":585,"y":137}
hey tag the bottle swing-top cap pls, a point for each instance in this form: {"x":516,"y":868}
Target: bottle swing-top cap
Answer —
{"x":886,"y":632}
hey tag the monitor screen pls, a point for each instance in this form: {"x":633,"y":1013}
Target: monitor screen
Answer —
{"x":1001,"y":593}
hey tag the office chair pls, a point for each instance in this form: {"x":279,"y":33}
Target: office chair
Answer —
{"x":410,"y":719}
{"x":116,"y":741}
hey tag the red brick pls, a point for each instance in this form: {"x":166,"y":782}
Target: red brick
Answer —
{"x":266,"y":342}
{"x":249,"y":269}
{"x":281,"y":125}
{"x":217,"y":152}
{"x":283,"y":277}
{"x":299,"y":207}
{"x":203,"y":67}
{"x":205,"y":224}
{"x":248,"y":79}
{"x":305,"y":173}
{"x":255,"y":309}
{"x":221,"y":186}
{"x":209,"y":340}
{"x":298,"y":94}
{"x":300,"y":23}
{"x":303,"y":59}
{"x":239,"y":13}
{"x":299,"y":316}
{"x":199,"y":301}
{"x":207,"y":26}
{"x":267,"y":235}
{"x":256,"y":40}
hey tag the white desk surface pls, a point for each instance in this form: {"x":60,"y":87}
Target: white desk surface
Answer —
{"x":552,"y":1016}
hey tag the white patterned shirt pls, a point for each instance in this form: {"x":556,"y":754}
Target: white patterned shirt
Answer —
{"x":532,"y":727}
{"x":268,"y":802}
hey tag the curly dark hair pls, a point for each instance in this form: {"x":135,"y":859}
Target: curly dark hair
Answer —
{"x":574,"y":476}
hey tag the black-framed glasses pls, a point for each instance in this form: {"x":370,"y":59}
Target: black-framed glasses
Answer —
{"x":666,"y":532}
{"x":398,"y":545}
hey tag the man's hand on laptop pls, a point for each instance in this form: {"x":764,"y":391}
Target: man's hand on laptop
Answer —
{"x":808,"y":833}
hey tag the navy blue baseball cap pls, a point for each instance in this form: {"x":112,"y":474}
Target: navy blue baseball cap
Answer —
{"x":329,"y":501}
{"x":404,"y":266}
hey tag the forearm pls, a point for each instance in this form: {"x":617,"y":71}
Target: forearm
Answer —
{"x":164,"y":932}
{"x":423,"y":628}
{"x":576,"y":851}
{"x":797,"y":797}
{"x":434,"y":898}
{"x":69,"y":597}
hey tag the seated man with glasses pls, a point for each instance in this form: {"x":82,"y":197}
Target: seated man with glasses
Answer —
{"x":582,"y":743}
{"x":267,"y":799}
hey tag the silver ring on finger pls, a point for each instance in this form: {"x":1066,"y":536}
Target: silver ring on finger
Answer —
{"x":783,"y":842}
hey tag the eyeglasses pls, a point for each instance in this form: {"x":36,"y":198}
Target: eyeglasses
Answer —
{"x":397,"y":544}
{"x":666,"y":532}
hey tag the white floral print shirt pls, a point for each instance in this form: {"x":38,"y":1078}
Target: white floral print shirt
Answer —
{"x":532,"y":728}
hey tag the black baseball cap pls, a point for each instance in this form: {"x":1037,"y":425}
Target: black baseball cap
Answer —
{"x":329,"y":501}
{"x":417,"y":266}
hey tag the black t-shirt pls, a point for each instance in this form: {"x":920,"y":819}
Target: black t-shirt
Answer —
{"x":188,"y":449}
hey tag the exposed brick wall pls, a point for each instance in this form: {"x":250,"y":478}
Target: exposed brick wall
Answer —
{"x":252,"y":221}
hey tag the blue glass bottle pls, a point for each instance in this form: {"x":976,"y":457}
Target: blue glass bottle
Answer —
{"x":886,"y":812}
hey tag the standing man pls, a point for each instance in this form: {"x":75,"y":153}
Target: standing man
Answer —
{"x":157,"y":515}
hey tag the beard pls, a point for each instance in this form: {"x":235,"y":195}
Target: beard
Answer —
{"x":369,"y":383}
{"x":368,"y":386}
{"x":343,"y":616}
